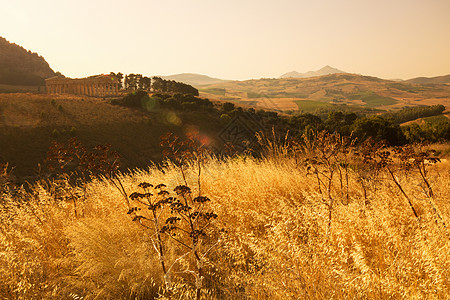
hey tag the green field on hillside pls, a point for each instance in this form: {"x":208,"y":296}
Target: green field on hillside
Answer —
{"x":372,"y":99}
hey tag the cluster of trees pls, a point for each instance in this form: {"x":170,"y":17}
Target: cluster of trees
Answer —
{"x":186,"y":102}
{"x":138,"y":82}
{"x":160,"y":85}
{"x":413,"y":113}
{"x":19,"y":66}
{"x":427,"y":132}
{"x":347,"y":123}
{"x":134,"y":82}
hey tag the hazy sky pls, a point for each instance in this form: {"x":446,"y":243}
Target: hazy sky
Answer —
{"x":230,"y":39}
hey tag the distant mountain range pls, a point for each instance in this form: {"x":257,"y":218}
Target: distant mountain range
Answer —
{"x":194,"y":79}
{"x":327,"y":70}
{"x":430,"y":80}
{"x":19,"y":66}
{"x":199,"y":80}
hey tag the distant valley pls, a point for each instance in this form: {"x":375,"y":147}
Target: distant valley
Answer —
{"x":328,"y":92}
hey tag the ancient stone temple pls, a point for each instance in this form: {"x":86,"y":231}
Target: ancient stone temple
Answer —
{"x":96,"y":86}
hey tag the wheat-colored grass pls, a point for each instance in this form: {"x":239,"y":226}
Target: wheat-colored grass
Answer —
{"x":276,"y":245}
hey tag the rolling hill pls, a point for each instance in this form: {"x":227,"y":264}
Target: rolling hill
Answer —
{"x":327,"y":70}
{"x":430,"y":80}
{"x":194,"y":79}
{"x":328,"y":91}
{"x":19,"y":66}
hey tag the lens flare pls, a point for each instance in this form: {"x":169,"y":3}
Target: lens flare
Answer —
{"x":172,"y":118}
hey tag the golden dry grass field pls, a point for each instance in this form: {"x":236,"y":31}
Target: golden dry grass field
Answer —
{"x":272,"y":238}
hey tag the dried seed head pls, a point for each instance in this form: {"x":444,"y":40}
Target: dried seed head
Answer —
{"x":145,"y":185}
{"x":201,"y":199}
{"x":182,"y":190}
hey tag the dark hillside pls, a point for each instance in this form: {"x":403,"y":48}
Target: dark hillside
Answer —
{"x":30,"y":123}
{"x":19,"y":66}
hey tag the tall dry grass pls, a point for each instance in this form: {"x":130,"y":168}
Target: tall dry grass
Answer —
{"x":278,"y":243}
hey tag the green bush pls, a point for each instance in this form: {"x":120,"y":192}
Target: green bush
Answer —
{"x":73,"y":131}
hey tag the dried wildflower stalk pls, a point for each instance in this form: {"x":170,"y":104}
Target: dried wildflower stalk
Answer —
{"x":155,"y":202}
{"x":188,"y":227}
{"x":418,"y":160}
{"x":189,"y":216}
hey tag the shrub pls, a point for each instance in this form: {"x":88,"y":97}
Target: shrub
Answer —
{"x":225,"y":119}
